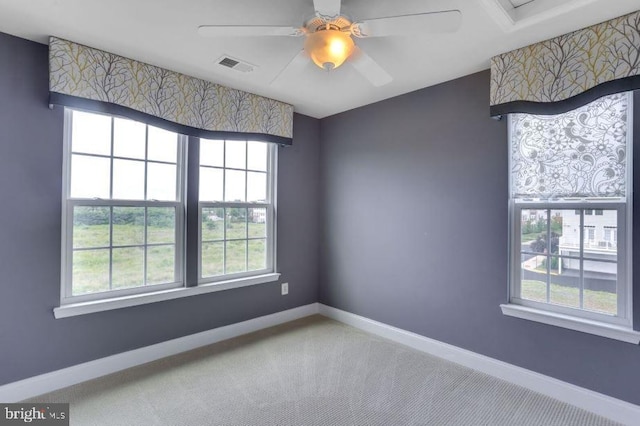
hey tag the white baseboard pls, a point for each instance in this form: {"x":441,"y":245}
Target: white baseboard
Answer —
{"x":606,"y":406}
{"x":603,"y":405}
{"x":38,"y":385}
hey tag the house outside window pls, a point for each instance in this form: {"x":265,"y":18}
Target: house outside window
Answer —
{"x":570,"y":186}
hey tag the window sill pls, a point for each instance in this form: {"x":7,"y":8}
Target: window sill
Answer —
{"x":598,"y":328}
{"x":82,"y":308}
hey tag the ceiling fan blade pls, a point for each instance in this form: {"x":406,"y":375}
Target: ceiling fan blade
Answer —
{"x":294,"y":67}
{"x":247,"y":31}
{"x":419,"y":23}
{"x":327,"y":8}
{"x":369,"y":68}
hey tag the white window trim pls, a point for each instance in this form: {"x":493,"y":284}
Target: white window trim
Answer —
{"x":575,"y":319}
{"x":571,"y":322}
{"x":271,"y":229}
{"x":81,"y":308}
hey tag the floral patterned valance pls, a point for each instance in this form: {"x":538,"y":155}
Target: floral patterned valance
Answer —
{"x":90,"y":78}
{"x":565,"y":72}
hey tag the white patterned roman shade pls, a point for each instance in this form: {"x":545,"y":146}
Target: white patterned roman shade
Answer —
{"x":568,"y":71}
{"x":84,"y":77}
{"x":581,"y":153}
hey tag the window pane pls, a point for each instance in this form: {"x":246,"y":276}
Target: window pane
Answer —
{"x":161,"y":264}
{"x":127,"y":267}
{"x":600,"y":281}
{"x":128,"y":180}
{"x":211,"y":184}
{"x":565,"y":284}
{"x":257,"y":255}
{"x":163,"y":145}
{"x":257,"y":156}
{"x":128,"y":226}
{"x":161,"y":182}
{"x":212,"y":224}
{"x":236,"y":256}
{"x":129,"y":138}
{"x":557,"y":227}
{"x":161,"y":226}
{"x":236,"y":154}
{"x":211,"y":153}
{"x":257,"y":222}
{"x":90,"y":227}
{"x":234,"y":185}
{"x":256,"y":187}
{"x":534,"y":230}
{"x":212,"y":259}
{"x":90,"y":271}
{"x":236,"y":222}
{"x":90,"y":177}
{"x":569,"y":239}
{"x":91,"y":133}
{"x":533,"y":278}
{"x":597,"y":240}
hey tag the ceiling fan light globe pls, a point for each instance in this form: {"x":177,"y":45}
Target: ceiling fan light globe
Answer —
{"x":329,"y":48}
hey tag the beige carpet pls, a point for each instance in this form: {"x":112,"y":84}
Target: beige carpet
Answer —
{"x":313,"y":371}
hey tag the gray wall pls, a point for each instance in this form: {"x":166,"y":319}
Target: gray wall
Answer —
{"x":31,"y":340}
{"x":414,"y":196}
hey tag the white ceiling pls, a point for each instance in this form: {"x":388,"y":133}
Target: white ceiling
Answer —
{"x":163,"y":33}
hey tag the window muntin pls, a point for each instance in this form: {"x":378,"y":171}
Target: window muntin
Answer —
{"x":123,"y":207}
{"x":562,"y":263}
{"x":236,"y":209}
{"x":570,"y":176}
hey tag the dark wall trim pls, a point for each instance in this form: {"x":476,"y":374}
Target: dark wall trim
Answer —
{"x":110,"y":108}
{"x":550,"y":108}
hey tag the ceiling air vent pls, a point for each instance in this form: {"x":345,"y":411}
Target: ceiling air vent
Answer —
{"x":235,"y":64}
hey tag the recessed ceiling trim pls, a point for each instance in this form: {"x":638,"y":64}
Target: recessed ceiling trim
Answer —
{"x":517,"y":3}
{"x":512,"y":18}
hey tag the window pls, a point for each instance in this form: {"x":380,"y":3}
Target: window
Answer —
{"x":124,"y":214}
{"x":589,"y":233}
{"x":566,"y":167}
{"x":123,"y":210}
{"x":236,"y":209}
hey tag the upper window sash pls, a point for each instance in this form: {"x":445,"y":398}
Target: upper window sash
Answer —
{"x":147,"y":153}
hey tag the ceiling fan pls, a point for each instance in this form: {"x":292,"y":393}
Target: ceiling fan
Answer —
{"x":329,"y":36}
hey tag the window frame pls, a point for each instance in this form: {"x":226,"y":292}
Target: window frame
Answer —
{"x":618,"y":327}
{"x":68,"y":205}
{"x":271,"y":221}
{"x":624,"y":263}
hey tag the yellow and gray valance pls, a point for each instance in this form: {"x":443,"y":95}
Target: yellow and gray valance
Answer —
{"x":84,"y":77}
{"x":560,"y":74}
